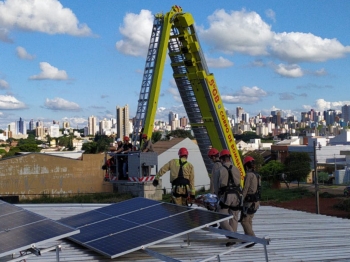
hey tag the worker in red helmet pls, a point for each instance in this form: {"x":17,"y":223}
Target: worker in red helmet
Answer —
{"x":251,"y":195}
{"x":213,"y":154}
{"x":181,"y":178}
{"x":147,"y":145}
{"x":229,"y":193}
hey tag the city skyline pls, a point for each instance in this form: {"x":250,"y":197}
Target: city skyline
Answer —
{"x":60,"y":62}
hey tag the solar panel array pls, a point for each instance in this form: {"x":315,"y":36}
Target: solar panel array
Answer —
{"x":137,"y":223}
{"x":21,"y":229}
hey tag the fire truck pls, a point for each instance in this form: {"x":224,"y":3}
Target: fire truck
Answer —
{"x":174,"y":34}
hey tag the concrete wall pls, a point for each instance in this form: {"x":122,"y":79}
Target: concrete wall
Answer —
{"x":35,"y":174}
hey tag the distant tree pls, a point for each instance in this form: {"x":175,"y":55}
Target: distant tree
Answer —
{"x":100,"y":144}
{"x":156,"y":136}
{"x":246,"y":136}
{"x":297,"y":166}
{"x":323,"y":177}
{"x":272,"y":171}
{"x":180,"y":133}
{"x":11,"y":152}
{"x":29,"y":148}
{"x":90,"y":148}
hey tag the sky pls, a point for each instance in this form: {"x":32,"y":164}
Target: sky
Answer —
{"x":68,"y":60}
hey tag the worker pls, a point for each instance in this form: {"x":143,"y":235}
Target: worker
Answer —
{"x":213,"y":154}
{"x":181,"y":178}
{"x":147,"y":146}
{"x":251,"y":195}
{"x":229,"y":193}
{"x":126,"y":148}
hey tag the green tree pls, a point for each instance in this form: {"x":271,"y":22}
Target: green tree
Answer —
{"x":156,"y":136}
{"x":297,"y":166}
{"x":272,"y":171}
{"x":323,"y":177}
{"x":90,"y":148}
{"x":180,"y":133}
{"x":100,"y":144}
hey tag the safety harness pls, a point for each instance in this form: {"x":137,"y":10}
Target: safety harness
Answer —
{"x":230,"y":188}
{"x":257,"y":195}
{"x":180,"y":181}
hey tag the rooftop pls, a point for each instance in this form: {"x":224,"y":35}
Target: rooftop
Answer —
{"x":295,"y":236}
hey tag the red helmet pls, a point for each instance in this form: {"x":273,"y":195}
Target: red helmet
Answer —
{"x":247,"y":159}
{"x":183,"y":152}
{"x":225,"y":152}
{"x":126,"y":138}
{"x":144,"y":136}
{"x":213,"y":152}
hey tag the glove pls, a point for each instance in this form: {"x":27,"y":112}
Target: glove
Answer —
{"x":155,"y":182}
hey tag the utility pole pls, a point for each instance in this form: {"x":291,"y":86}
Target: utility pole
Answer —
{"x":316,"y":181}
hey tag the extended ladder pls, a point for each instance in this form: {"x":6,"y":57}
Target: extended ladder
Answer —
{"x":175,"y":32}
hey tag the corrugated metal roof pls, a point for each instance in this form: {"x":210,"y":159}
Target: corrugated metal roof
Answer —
{"x":295,"y":236}
{"x":163,"y":145}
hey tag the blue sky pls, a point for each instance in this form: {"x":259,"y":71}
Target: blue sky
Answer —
{"x":67,"y":60}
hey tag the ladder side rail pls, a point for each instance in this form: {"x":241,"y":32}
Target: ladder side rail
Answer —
{"x":221,"y":127}
{"x":144,"y":96}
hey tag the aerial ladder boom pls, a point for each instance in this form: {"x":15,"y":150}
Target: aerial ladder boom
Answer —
{"x":197,"y":87}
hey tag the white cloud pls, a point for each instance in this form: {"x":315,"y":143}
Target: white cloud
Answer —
{"x":49,"y":72}
{"x":23,"y":54}
{"x":289,"y":70}
{"x":136,"y":32}
{"x":10,"y":102}
{"x":61,"y":104}
{"x":238,"y":31}
{"x":301,"y":47}
{"x":271,"y":14}
{"x":47,"y":16}
{"x":246,"y":33}
{"x":247,"y":95}
{"x":4,"y":84}
{"x":218,"y":62}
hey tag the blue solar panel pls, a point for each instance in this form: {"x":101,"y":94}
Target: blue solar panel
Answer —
{"x":138,"y":223}
{"x":5,"y":208}
{"x":102,"y":229}
{"x":127,"y":241}
{"x":128,"y":206}
{"x":13,"y":220}
{"x":85,"y":219}
{"x":150,"y":214}
{"x":20,"y":229}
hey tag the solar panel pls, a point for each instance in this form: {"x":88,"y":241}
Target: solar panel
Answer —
{"x":137,"y":223}
{"x":21,"y":229}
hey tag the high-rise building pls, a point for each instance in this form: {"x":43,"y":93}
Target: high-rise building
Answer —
{"x":171,"y":117}
{"x":183,"y":121}
{"x":329,"y":116}
{"x":123,"y":125}
{"x":40,"y":131}
{"x":345,"y":112}
{"x":92,"y":125}
{"x":21,"y":127}
{"x":31,"y":124}
{"x":239,"y":112}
